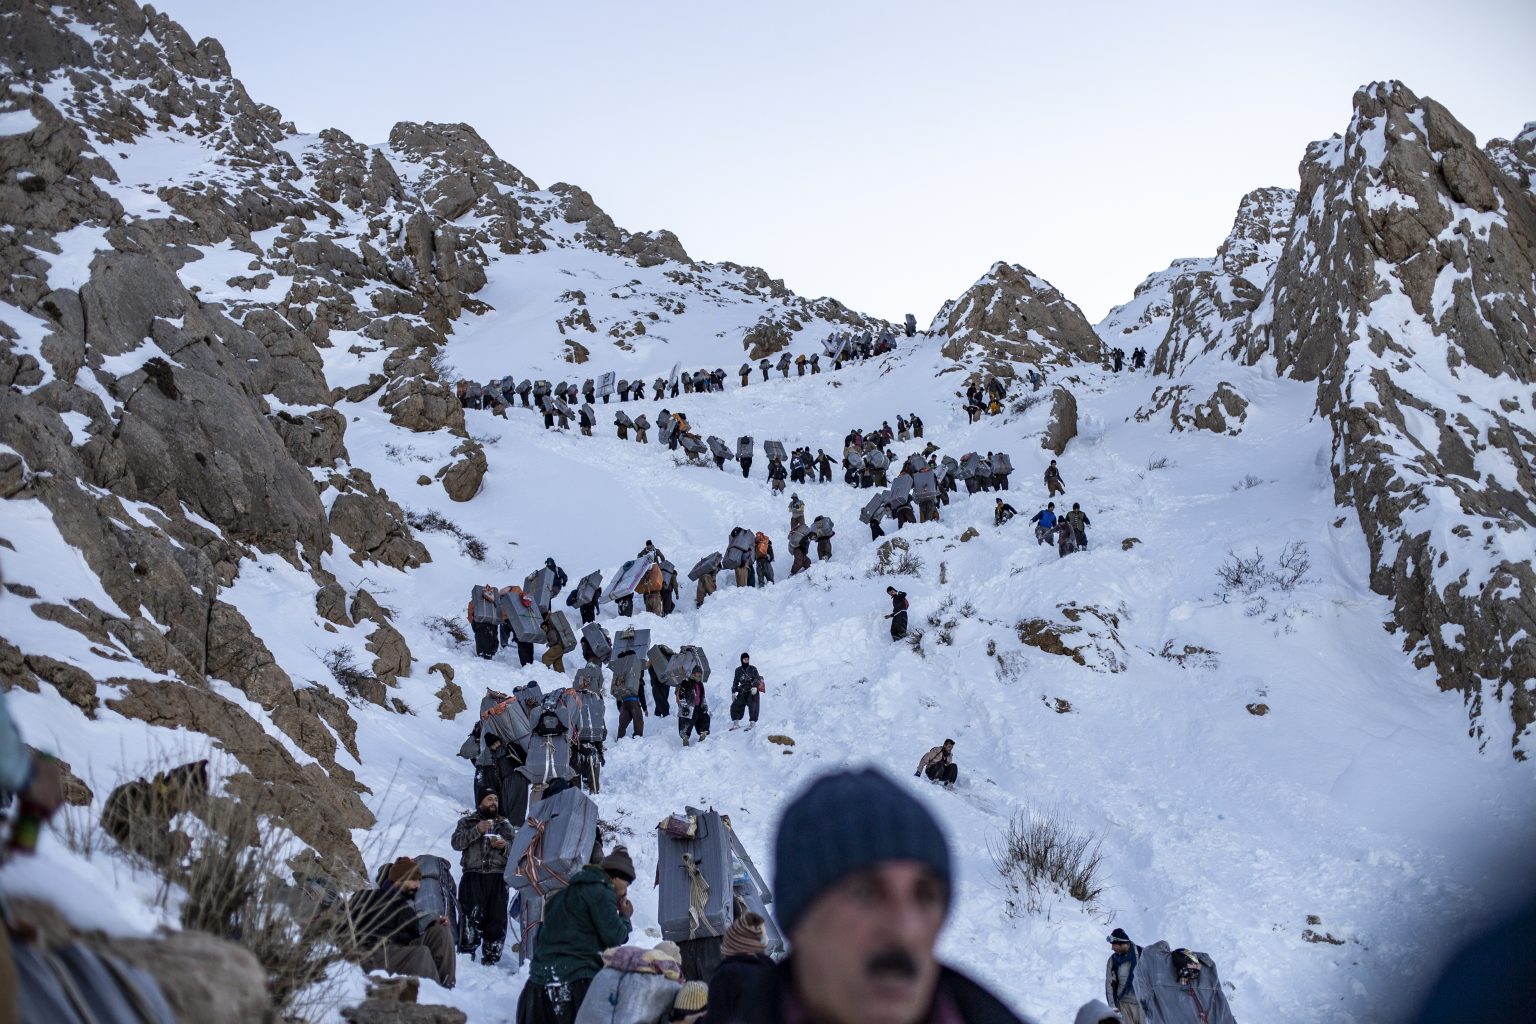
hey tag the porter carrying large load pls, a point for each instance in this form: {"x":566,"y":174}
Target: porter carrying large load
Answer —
{"x":775,"y":450}
{"x":627,"y":578}
{"x":822,"y":526}
{"x":720,"y":450}
{"x":744,"y":447}
{"x":876,"y":459}
{"x":631,"y":641}
{"x":563,"y":630}
{"x":692,"y":445}
{"x":605,"y":384}
{"x":437,"y":897}
{"x":595,"y":640}
{"x":739,"y":551}
{"x":518,"y":609}
{"x":523,"y":390}
{"x":688,"y":658}
{"x":916,"y":463}
{"x":540,"y":588}
{"x":706,"y":566}
{"x":587,"y":590}
{"x":798,"y":536}
{"x":483,"y":604}
{"x":901,"y":490}
{"x":659,"y":659}
{"x":549,"y":745}
{"x":1179,"y":986}
{"x":694,"y":874}
{"x":1002,"y":465}
{"x":621,"y":419}
{"x":506,"y":717}
{"x":554,"y":844}
{"x":925,"y":486}
{"x":874,"y":509}
{"x":642,"y":423}
{"x":855,"y":461}
{"x":970,"y":465}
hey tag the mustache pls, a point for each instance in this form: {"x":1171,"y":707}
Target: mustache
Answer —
{"x":896,"y":962}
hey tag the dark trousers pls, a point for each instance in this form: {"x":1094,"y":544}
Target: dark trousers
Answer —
{"x":485,"y":639}
{"x":941,"y":772}
{"x":525,"y":652}
{"x":898,"y":625}
{"x":659,"y":692}
{"x":630,"y":713}
{"x":1053,"y":488}
{"x":764,"y":572}
{"x":551,"y":1004}
{"x":483,"y":904}
{"x":746,"y":467}
{"x":589,"y":613}
{"x":744,"y":702}
{"x":875,"y":533}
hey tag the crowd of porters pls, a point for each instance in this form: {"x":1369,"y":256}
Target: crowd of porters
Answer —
{"x":559,"y":401}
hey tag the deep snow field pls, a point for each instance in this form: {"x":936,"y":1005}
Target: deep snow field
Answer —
{"x":1358,"y":797}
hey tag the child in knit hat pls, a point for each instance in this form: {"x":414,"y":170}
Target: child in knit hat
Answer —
{"x":691,"y":1003}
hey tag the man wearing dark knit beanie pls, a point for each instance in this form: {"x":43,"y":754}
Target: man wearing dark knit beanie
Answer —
{"x":862,"y":887}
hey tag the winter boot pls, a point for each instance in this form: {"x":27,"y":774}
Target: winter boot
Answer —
{"x":735,"y":726}
{"x":491,"y":954}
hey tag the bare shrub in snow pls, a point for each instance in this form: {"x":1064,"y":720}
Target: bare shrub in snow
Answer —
{"x":1041,"y":854}
{"x":433,"y":521}
{"x":1247,"y":483}
{"x":342,"y":663}
{"x":453,"y":629}
{"x":1156,"y":462}
{"x":1292,"y":568}
{"x":1246,"y":575}
{"x":895,"y":558}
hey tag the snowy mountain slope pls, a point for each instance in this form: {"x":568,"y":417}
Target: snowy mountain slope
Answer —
{"x":337,"y":285}
{"x":1400,"y":280}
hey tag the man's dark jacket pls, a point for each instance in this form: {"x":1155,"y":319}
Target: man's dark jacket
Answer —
{"x":764,"y":1004}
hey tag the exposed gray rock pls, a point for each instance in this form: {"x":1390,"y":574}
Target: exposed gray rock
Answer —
{"x":1222,"y":412}
{"x":1063,"y":424}
{"x":461,"y":479}
{"x":1408,"y":296}
{"x":1011,"y":316}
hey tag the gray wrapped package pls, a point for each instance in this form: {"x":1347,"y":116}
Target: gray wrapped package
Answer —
{"x":627,"y":997}
{"x":598,"y":641}
{"x":855,"y":462}
{"x":901,"y":490}
{"x":874,"y":510}
{"x":739,"y":550}
{"x":626,"y":579}
{"x":1002,"y":465}
{"x":631,"y":641}
{"x":692,"y":445}
{"x":798,"y":536}
{"x":540,"y":588}
{"x":823,"y":527}
{"x":621,"y":419}
{"x":505,"y":716}
{"x":554,"y":843}
{"x":719,"y":449}
{"x":706,"y":566}
{"x":775,"y":450}
{"x":969,"y":464}
{"x":518,"y":609}
{"x":524,"y":387}
{"x":588,"y":713}
{"x":686,"y":660}
{"x":660,"y":659}
{"x":694,"y":875}
{"x":641,"y":423}
{"x":605,"y":383}
{"x":588,"y":590}
{"x":876,"y":459}
{"x":563,"y":629}
{"x":916,"y":463}
{"x":925,"y":486}
{"x":744,"y":447}
{"x":549,"y":744}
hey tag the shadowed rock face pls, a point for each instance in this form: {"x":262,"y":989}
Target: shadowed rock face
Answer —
{"x":1011,"y":316}
{"x":1407,"y":290}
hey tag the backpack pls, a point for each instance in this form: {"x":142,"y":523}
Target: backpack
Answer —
{"x":761,"y":547}
{"x":651,"y":582}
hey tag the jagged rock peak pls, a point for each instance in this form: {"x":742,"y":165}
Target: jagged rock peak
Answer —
{"x":1013,"y":316}
{"x":1198,"y":306}
{"x":1406,"y":291}
{"x":1517,"y":157}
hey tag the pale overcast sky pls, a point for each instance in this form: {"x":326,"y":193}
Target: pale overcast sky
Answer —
{"x":887,"y":152}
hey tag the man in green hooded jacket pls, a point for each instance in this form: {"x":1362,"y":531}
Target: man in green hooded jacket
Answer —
{"x":580,"y":921}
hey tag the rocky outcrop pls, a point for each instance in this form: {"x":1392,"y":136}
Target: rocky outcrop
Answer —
{"x":1516,"y":157}
{"x":1011,"y":316}
{"x":1063,"y":423}
{"x":1406,"y":292}
{"x":1199,"y":306}
{"x":461,"y":478}
{"x":1222,"y":412}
